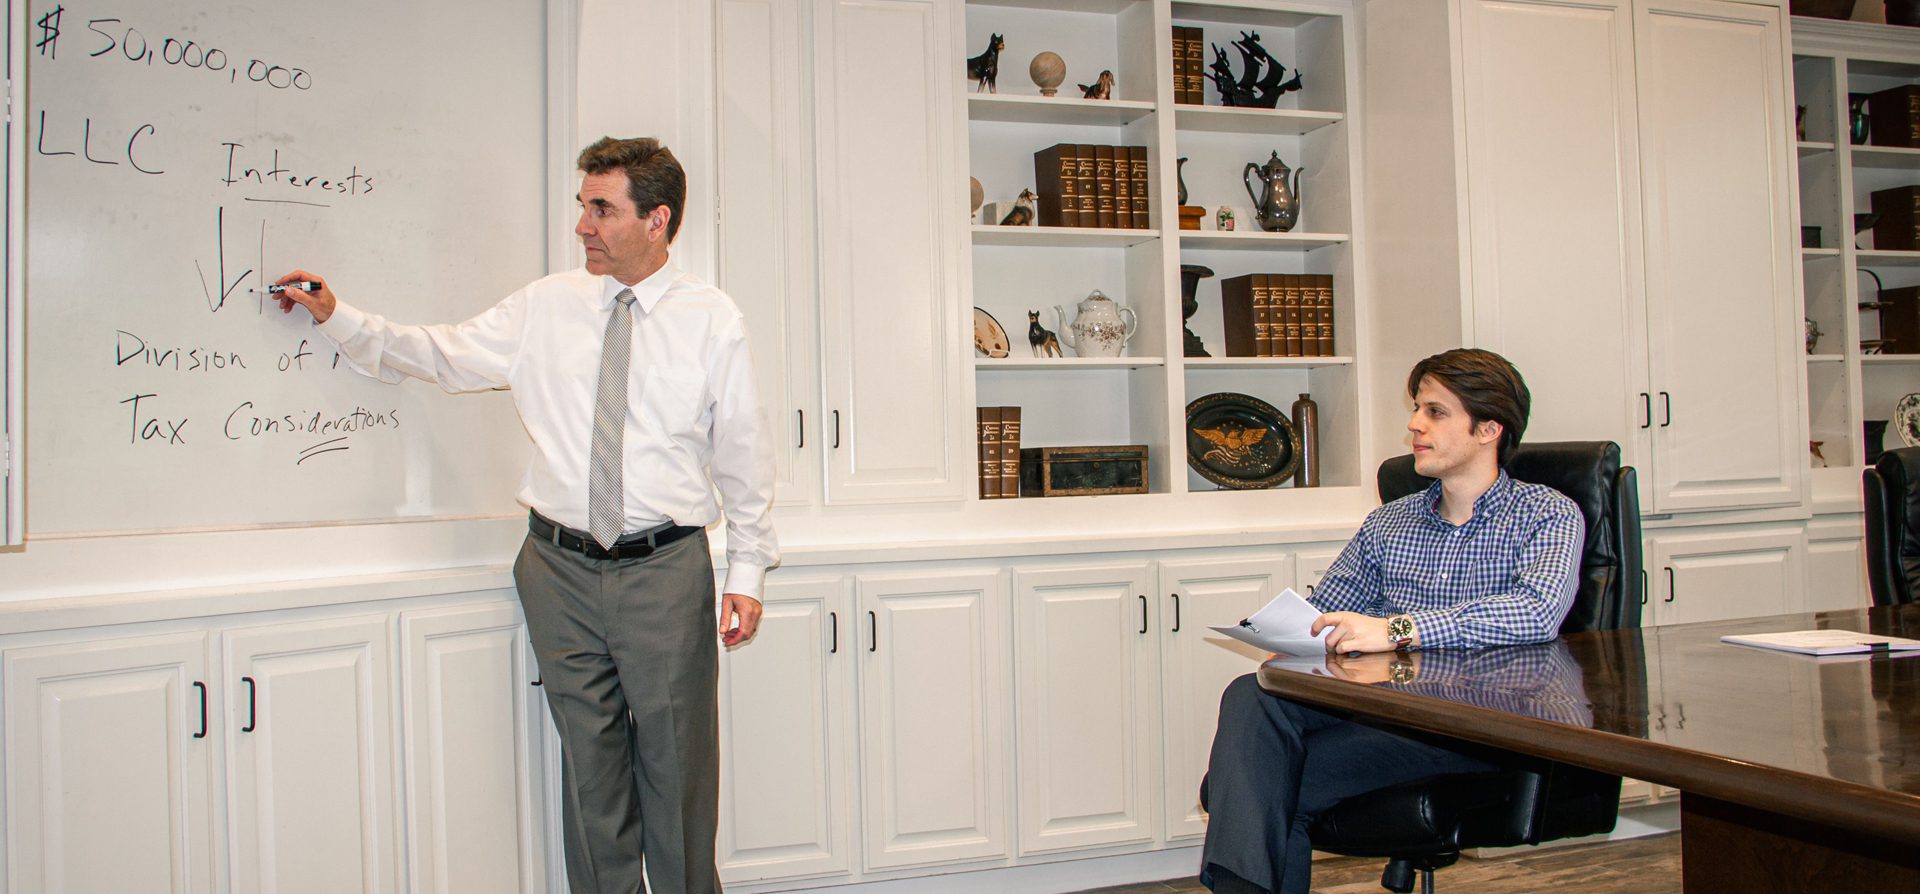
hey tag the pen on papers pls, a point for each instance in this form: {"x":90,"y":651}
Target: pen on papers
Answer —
{"x":1249,"y":625}
{"x":294,"y":286}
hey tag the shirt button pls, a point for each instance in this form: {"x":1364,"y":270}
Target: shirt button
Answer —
{"x":1443,"y":575}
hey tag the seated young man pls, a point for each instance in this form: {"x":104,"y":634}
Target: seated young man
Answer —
{"x":1476,"y":560}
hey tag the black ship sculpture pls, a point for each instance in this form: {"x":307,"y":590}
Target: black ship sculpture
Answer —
{"x":1260,"y":86}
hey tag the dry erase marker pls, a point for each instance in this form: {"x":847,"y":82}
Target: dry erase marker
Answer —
{"x":293,"y":286}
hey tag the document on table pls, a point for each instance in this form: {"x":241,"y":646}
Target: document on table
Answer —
{"x":1281,"y":626}
{"x":1824,"y":642}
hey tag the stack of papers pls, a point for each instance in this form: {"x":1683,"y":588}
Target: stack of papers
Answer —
{"x":1281,"y":626}
{"x":1824,"y":642}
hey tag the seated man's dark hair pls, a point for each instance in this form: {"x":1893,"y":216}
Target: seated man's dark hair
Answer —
{"x":1488,"y":386}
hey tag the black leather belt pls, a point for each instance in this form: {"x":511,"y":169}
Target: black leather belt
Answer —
{"x":632,"y":546}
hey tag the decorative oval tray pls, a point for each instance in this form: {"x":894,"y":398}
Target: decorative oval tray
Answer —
{"x":1240,"y":442}
{"x":1906,"y":420}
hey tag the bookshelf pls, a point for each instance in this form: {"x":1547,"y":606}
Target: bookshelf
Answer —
{"x":1141,"y":398}
{"x":1846,"y":386}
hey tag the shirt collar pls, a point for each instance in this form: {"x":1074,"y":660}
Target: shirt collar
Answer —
{"x":646,"y":293}
{"x":1488,"y":503}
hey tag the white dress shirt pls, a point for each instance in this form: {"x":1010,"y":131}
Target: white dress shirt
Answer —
{"x":692,"y":411}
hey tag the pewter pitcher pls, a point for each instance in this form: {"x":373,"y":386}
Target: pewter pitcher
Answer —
{"x":1277,"y":206}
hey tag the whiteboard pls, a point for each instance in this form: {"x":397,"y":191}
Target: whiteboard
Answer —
{"x":178,"y":158}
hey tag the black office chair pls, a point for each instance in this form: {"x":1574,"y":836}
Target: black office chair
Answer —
{"x":1892,"y":495}
{"x":1422,"y":826}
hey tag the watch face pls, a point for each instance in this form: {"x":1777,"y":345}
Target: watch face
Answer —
{"x":1400,"y":628}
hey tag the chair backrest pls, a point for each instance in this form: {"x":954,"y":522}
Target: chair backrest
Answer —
{"x":1608,"y":494}
{"x":1892,"y":498}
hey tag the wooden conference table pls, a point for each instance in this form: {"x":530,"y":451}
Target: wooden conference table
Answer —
{"x":1796,"y":773}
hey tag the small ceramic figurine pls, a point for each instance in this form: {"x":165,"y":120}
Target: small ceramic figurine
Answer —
{"x":1044,"y":342}
{"x":1225,"y":218}
{"x":1048,"y":71}
{"x":1101,"y":88}
{"x":985,"y":68}
{"x":1022,"y":213}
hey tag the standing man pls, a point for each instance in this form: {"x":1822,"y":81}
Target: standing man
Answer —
{"x":1476,"y":560}
{"x":634,"y":382}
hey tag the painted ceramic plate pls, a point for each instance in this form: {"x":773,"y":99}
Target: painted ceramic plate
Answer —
{"x":1240,"y":442}
{"x":1906,"y":420}
{"x":988,"y":337}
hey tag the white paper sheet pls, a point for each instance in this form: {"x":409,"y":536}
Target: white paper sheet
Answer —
{"x":1281,"y":626}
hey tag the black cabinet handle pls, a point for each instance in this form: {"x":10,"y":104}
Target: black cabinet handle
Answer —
{"x":1646,"y":409}
{"x":253,"y":715}
{"x":1143,"y":614}
{"x":803,"y":429}
{"x":1666,"y":409}
{"x":1643,"y":586}
{"x":537,"y":680}
{"x":1670,"y":587}
{"x":1176,"y":611}
{"x":873,"y":632}
{"x":836,"y":429}
{"x":203,"y":709}
{"x":833,"y":627}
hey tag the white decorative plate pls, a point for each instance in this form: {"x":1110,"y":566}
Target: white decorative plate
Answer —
{"x":1906,"y":420}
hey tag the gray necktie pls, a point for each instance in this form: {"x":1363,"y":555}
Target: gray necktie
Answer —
{"x":606,"y":499}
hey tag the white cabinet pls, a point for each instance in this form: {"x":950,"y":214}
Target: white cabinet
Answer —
{"x":1313,"y":565}
{"x":933,"y":699}
{"x":786,"y":775}
{"x":1712,"y":576}
{"x":890,"y":199}
{"x":1629,"y":247}
{"x":109,"y":765}
{"x":1084,"y":696}
{"x":1197,"y":664}
{"x":1836,"y":566}
{"x":471,"y":728}
{"x":310,"y":749}
{"x":765,"y":223}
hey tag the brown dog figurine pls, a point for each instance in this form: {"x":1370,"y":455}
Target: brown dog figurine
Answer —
{"x":1101,"y":88}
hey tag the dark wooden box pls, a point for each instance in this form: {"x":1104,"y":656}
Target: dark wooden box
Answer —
{"x":1083,"y":471}
{"x":1900,"y":320}
{"x":1898,"y":227}
{"x":1893,"y":117}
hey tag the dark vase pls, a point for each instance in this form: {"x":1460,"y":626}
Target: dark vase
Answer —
{"x":1180,"y":178}
{"x":1857,"y":118}
{"x":1190,"y":277}
{"x":1306,"y":423}
{"x":1876,"y":432}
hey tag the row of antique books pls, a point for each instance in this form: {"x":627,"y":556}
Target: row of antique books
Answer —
{"x":999,"y":452}
{"x":1278,"y":314}
{"x":1189,"y":65}
{"x":1093,"y":186}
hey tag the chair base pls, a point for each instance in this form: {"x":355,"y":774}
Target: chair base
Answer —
{"x":1398,"y":876}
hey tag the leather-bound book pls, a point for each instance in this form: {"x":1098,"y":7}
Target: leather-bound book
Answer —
{"x":1266,"y":318}
{"x":1103,"y":188}
{"x":1893,"y":117}
{"x":1323,"y":307}
{"x":1088,"y":189}
{"x":1056,"y":175}
{"x":989,"y":419}
{"x":1009,"y":452}
{"x":1236,"y":316}
{"x":1142,"y":214}
{"x":1898,"y":225}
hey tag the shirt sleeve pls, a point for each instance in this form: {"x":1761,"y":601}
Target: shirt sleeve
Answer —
{"x":1353,"y":583}
{"x":742,"y":466}
{"x":1530,"y":610}
{"x":476,"y":355}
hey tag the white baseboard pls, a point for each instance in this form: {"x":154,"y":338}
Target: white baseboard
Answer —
{"x":1043,"y":878}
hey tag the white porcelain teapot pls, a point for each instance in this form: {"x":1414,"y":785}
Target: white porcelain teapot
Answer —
{"x":1101,"y":327}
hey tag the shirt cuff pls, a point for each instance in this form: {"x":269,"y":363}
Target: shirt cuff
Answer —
{"x":745,"y":578}
{"x":1437,"y":628}
{"x":345,"y":322}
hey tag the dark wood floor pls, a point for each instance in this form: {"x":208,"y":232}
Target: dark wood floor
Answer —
{"x":1640,"y":866}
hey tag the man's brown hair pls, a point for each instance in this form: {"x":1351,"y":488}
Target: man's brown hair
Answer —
{"x":1488,"y":386}
{"x":654,"y":176}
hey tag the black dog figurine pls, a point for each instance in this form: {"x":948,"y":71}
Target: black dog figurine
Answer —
{"x":1044,"y":343}
{"x":985,"y":67}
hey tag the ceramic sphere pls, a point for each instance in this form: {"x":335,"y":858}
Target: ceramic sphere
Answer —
{"x":978,"y":194}
{"x":1048,"y":71}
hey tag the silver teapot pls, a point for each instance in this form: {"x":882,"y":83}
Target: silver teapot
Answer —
{"x":1101,"y":328}
{"x":1277,"y":206}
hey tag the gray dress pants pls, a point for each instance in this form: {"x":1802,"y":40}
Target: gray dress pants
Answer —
{"x":629,"y":659}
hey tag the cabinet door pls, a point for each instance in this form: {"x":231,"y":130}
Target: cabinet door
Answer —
{"x":890,"y":219}
{"x":1554,"y":208}
{"x":1197,"y":664}
{"x":1084,"y":750}
{"x":1836,"y":567}
{"x":785,"y":770}
{"x":1714,"y":576}
{"x":474,"y":750}
{"x":765,"y":220}
{"x":1313,"y":565}
{"x":310,"y":735}
{"x":933,"y":692}
{"x":109,"y":767}
{"x":1716,"y":126}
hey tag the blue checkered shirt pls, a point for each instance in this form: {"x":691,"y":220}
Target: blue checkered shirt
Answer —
{"x":1505,"y":577}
